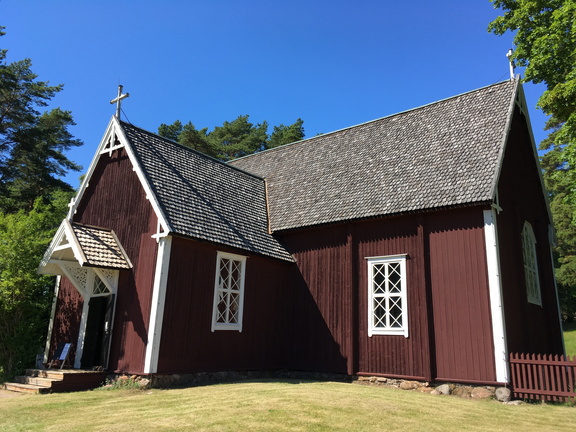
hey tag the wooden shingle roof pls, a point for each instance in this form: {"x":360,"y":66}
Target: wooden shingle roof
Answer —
{"x":204,"y":198}
{"x":101,"y":247}
{"x":439,"y":155}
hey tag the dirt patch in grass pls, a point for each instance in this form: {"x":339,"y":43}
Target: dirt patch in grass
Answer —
{"x":6,"y":394}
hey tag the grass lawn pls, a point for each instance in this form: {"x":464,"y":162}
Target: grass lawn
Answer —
{"x":570,"y":338}
{"x":275,"y":406}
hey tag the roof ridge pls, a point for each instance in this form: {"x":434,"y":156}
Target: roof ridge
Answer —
{"x":305,"y":140}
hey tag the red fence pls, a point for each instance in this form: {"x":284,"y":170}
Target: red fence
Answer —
{"x":543,"y":377}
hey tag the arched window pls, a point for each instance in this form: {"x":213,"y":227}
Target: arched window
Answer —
{"x":531,"y":265}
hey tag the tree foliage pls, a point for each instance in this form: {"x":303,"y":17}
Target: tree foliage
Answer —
{"x":33,"y":201}
{"x":546,"y":47}
{"x":32,"y":144}
{"x":233,"y":139}
{"x":558,"y":177}
{"x":286,"y":134}
{"x":25,"y":296}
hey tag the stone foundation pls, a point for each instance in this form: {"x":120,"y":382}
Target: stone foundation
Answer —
{"x":501,"y":394}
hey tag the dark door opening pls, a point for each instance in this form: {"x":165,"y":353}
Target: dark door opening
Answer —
{"x":98,"y":332}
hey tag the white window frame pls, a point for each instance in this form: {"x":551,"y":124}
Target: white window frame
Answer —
{"x":387,"y":296}
{"x":530,"y":260}
{"x":225,"y":288}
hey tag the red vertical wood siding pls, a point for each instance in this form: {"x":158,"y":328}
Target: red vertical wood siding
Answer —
{"x":387,"y":354}
{"x":529,"y":328}
{"x":66,"y":324}
{"x":115,"y":199}
{"x":187,"y":342}
{"x":448,"y":300}
{"x":323,"y":310}
{"x":461,"y":301}
{"x":332,"y":262}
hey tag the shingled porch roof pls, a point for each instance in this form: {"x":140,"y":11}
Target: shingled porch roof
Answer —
{"x":88,"y":246}
{"x":440,"y":155}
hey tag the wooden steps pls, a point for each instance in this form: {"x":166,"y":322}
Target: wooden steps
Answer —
{"x":39,"y":381}
{"x":26,"y":388}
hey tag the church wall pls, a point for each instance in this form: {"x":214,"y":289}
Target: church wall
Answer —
{"x":530,"y":328}
{"x":115,"y":199}
{"x":187,"y":343}
{"x":66,"y":323}
{"x":448,"y":301}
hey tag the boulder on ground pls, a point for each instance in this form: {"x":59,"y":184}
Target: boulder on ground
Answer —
{"x":463,"y":392}
{"x":481,"y":393}
{"x":503,"y":394}
{"x":409,"y":385}
{"x":444,"y":389}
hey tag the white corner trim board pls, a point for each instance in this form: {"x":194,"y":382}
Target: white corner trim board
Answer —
{"x":157,"y":309}
{"x":495,"y":290}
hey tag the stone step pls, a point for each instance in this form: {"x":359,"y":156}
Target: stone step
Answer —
{"x":26,"y":388}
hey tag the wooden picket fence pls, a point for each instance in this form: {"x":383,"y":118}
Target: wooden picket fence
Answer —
{"x":543,"y":377}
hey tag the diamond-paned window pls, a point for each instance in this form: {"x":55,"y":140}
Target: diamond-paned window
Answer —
{"x":228,"y":292}
{"x":99,"y":287}
{"x":531,"y":265}
{"x":387,"y":303}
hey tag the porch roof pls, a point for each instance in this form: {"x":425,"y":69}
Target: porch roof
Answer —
{"x":101,"y":247}
{"x":86,"y":246}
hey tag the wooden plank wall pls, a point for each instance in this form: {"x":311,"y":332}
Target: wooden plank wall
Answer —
{"x":188,"y":345}
{"x":66,"y":318}
{"x":530,"y":328}
{"x":385,"y":354}
{"x":449,"y":318}
{"x":461,"y":302}
{"x":324,"y":305}
{"x":115,"y":199}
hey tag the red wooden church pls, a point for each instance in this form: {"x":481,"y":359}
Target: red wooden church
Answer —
{"x":414,"y":246}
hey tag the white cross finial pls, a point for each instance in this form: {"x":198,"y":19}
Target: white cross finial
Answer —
{"x":118,"y":99}
{"x":509,"y":56}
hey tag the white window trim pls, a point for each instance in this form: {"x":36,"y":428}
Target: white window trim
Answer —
{"x":237,"y":326}
{"x":403,"y":330}
{"x":533,"y":292}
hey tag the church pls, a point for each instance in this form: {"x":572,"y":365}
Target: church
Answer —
{"x":415,"y":246}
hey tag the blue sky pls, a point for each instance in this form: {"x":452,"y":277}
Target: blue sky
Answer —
{"x":333,"y":63}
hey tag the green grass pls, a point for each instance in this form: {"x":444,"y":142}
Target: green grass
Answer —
{"x":275,"y":406}
{"x":570,"y":338}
